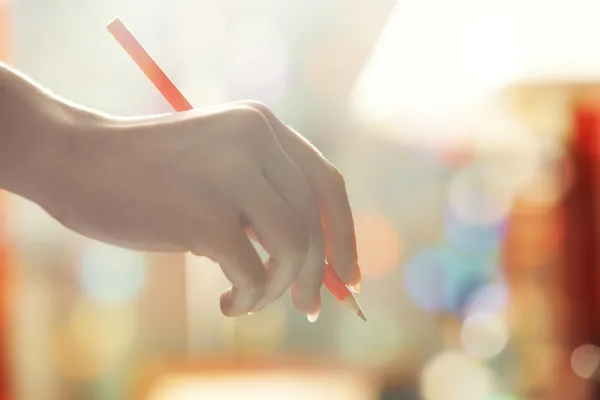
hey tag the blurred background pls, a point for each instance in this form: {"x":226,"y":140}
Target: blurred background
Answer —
{"x":467,"y":132}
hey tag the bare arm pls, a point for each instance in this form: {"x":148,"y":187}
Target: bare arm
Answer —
{"x":33,"y":135}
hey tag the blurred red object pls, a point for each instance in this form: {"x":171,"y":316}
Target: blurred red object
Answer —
{"x":581,"y":225}
{"x":5,"y":282}
{"x":579,"y":273}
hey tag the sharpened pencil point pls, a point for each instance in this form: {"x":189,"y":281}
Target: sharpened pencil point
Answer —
{"x":352,"y":304}
{"x":361,"y":315}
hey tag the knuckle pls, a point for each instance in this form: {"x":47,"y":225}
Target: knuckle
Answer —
{"x":336,"y":180}
{"x":248,"y":118}
{"x":260,"y":107}
{"x":251,"y":128}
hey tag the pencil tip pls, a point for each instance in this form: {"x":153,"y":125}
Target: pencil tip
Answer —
{"x":352,"y":304}
{"x":361,"y":315}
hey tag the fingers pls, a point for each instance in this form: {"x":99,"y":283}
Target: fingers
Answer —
{"x":242,"y":267}
{"x":298,"y":208}
{"x":279,"y":230}
{"x":338,"y":225}
{"x":329,"y":187}
{"x":289,"y":182}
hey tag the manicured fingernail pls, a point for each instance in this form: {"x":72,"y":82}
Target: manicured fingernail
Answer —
{"x":313,"y":317}
{"x":355,"y":288}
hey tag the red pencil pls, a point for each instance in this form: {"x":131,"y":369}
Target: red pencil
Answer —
{"x":179,"y":103}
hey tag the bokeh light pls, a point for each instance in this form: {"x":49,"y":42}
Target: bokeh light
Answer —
{"x":506,"y":147}
{"x":452,"y":375}
{"x":426,"y":280}
{"x":378,"y":244}
{"x":479,"y":197}
{"x":537,"y":363}
{"x":536,"y":317}
{"x":491,"y":299}
{"x":471,"y":238}
{"x":256,"y":61}
{"x":455,"y":155}
{"x":94,"y":340}
{"x":444,"y":279}
{"x":552,"y":179}
{"x":111,"y":274}
{"x":375,"y":344}
{"x":467,"y":272}
{"x":585,"y":360}
{"x":485,"y":330}
{"x":484,"y":335}
{"x":506,"y":157}
{"x":533,"y":241}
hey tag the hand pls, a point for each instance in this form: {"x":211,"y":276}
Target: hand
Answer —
{"x":198,"y":181}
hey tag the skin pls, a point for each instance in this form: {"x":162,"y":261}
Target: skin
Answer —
{"x":202,"y":181}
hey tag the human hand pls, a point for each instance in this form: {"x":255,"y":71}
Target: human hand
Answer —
{"x":199,"y":181}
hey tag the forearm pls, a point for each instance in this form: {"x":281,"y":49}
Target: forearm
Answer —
{"x":33,"y":129}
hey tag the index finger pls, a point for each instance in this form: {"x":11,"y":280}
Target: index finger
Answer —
{"x":330,"y":189}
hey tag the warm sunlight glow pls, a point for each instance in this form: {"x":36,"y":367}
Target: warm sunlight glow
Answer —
{"x":266,"y":386}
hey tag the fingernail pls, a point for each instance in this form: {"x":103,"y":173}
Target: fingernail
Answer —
{"x":235,"y":302}
{"x":255,"y":311}
{"x":312,"y":318}
{"x":357,"y":278}
{"x":355,"y":288}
